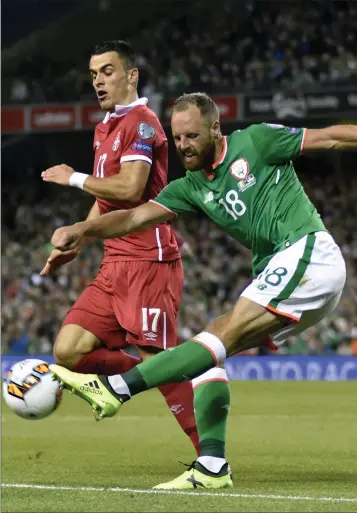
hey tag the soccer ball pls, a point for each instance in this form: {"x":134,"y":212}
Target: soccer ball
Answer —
{"x":30,"y":391}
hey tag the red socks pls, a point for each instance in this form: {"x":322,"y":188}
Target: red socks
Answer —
{"x":179,"y":397}
{"x":105,"y":362}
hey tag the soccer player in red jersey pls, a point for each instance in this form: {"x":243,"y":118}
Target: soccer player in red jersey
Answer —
{"x":134,"y":298}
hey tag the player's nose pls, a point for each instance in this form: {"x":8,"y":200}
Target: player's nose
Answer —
{"x":99,"y":81}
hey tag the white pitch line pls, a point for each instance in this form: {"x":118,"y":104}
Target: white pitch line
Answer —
{"x":177,"y":492}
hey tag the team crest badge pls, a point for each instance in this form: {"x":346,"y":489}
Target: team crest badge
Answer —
{"x":116,"y":142}
{"x":240,"y":169}
{"x":146,"y":131}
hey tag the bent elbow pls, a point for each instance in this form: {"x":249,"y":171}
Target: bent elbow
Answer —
{"x":132,"y":195}
{"x":128,"y":196}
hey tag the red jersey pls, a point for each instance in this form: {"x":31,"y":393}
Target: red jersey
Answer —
{"x":134,"y":133}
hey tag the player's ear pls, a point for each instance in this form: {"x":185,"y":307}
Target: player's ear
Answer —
{"x":216,"y":128}
{"x":133,"y":76}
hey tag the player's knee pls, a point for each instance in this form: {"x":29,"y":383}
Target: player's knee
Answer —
{"x":71,"y":344}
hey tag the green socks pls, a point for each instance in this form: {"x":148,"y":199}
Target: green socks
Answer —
{"x":181,"y":363}
{"x":212,"y":402}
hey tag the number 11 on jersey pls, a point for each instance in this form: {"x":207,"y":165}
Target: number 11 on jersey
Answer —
{"x":100,"y":166}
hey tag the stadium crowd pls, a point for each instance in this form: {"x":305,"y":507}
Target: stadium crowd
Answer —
{"x":206,"y":46}
{"x":217,"y":268}
{"x":257,"y":45}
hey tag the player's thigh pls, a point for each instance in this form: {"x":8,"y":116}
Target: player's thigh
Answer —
{"x":308,"y":318}
{"x":302,"y":283}
{"x":247,"y":325}
{"x":91,"y":321}
{"x":148,"y":310}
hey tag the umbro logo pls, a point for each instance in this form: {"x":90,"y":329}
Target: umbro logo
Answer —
{"x":91,"y":386}
{"x":177,"y":408}
{"x":209,"y":197}
{"x":150,"y":336}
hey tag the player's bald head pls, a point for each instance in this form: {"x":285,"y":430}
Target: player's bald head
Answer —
{"x":204,"y":103}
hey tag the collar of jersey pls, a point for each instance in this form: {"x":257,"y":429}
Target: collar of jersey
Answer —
{"x":121,"y":110}
{"x":219,"y":161}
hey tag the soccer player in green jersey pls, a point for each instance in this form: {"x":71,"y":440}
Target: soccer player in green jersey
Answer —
{"x":246,"y":184}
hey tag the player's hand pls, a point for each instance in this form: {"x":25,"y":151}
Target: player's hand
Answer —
{"x":58,"y":174}
{"x":68,"y":238}
{"x":56,"y":259}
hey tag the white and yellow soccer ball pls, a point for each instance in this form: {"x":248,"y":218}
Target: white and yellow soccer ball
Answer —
{"x":30,"y":391}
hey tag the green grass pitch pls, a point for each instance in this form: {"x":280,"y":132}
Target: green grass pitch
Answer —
{"x":292,"y":447}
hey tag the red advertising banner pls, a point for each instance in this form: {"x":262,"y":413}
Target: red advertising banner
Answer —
{"x":83,"y":116}
{"x":53,"y":118}
{"x":12,"y":120}
{"x":228,"y":107}
{"x":91,"y":115}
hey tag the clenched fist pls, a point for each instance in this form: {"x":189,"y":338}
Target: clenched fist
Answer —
{"x":58,"y":174}
{"x":68,"y":238}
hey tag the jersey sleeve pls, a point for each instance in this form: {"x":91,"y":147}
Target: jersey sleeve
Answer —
{"x":139,"y":137}
{"x":277,"y":143}
{"x":175,"y":197}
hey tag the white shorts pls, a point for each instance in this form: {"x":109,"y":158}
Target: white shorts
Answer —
{"x":304,"y":282}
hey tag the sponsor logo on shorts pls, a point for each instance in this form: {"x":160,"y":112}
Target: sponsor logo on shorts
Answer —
{"x":150,"y":335}
{"x":293,"y":130}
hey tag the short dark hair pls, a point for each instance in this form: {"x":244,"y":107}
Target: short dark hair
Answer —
{"x":122,"y":48}
{"x":202,"y":101}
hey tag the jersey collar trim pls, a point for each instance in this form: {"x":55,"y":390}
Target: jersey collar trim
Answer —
{"x":122,"y":110}
{"x":219,"y":161}
{"x":222,"y":155}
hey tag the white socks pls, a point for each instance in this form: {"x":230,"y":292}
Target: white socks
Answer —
{"x":118,"y":385}
{"x":212,"y":463}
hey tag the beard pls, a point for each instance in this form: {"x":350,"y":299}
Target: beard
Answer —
{"x":200,"y":160}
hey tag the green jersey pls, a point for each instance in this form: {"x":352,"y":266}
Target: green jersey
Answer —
{"x":253,"y":194}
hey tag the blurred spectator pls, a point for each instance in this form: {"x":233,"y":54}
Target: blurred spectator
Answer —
{"x":19,"y":91}
{"x":220,"y":47}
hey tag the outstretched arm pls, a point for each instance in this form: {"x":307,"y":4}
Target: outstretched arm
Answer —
{"x":111,"y":225}
{"x":336,"y":137}
{"x":128,"y":185}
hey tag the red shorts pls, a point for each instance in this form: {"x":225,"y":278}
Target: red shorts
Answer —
{"x":131,"y":303}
